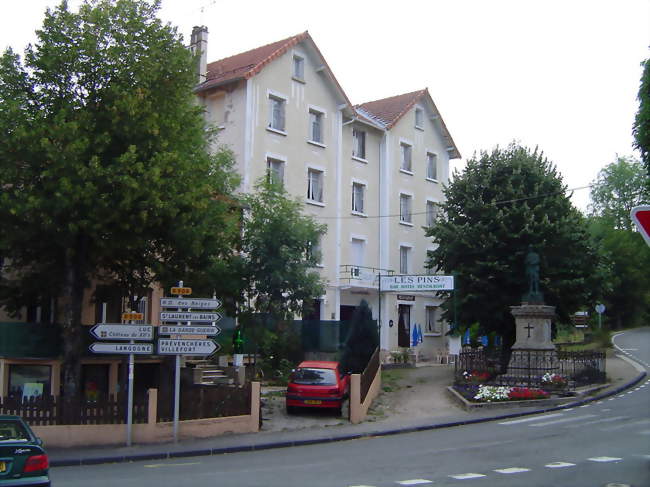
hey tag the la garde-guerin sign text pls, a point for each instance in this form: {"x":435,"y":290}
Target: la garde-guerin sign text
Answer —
{"x":417,"y":283}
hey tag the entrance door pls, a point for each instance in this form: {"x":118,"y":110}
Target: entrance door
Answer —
{"x":404,"y":326}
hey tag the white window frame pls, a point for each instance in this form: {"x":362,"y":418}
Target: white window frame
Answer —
{"x":274,"y":158}
{"x":273,"y":98}
{"x":403,"y":145}
{"x":405,"y":254}
{"x":363,"y":186}
{"x":419,"y":120}
{"x":428,"y":214}
{"x":364,"y":243}
{"x":298,"y":61}
{"x":316,"y":114}
{"x":406,"y":197}
{"x":436,"y":325}
{"x":315,"y":191}
{"x":355,"y":145}
{"x":431,"y":154}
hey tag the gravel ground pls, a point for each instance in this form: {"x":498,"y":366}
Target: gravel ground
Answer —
{"x":413,"y":393}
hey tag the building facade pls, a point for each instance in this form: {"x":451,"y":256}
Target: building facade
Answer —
{"x":373,"y":173}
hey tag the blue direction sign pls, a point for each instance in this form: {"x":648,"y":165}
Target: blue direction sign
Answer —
{"x":122,"y":348}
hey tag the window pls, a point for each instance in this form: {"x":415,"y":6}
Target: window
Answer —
{"x":432,"y":323}
{"x":405,"y":215}
{"x":406,"y":157}
{"x":358,"y":143}
{"x":315,"y":126}
{"x":315,"y":185}
{"x":357,"y":250}
{"x":298,"y":68}
{"x":276,"y":112}
{"x":432,"y":166}
{"x":29,"y":380}
{"x":275,"y":170}
{"x":314,"y":252}
{"x":358,"y":192}
{"x":419,"y":117}
{"x":404,"y":254}
{"x":432,"y":212}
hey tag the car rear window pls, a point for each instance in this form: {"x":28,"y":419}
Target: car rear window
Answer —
{"x":308,"y":376}
{"x":12,"y":430}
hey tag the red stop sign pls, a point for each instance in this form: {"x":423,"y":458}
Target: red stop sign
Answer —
{"x":641,"y":217}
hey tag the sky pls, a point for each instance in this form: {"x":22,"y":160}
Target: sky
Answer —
{"x":561,"y":75}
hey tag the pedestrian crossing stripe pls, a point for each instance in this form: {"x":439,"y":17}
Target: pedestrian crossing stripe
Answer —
{"x":560,"y":465}
{"x":604,"y":459}
{"x":512,"y":470}
{"x":465,"y":476}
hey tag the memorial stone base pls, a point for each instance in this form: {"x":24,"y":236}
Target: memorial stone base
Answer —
{"x":533,"y":354}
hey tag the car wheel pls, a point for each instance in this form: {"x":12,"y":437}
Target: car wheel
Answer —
{"x":291,"y":409}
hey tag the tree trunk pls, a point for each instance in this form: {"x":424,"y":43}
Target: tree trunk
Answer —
{"x":72,"y":297}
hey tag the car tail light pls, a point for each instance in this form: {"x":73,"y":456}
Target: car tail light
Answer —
{"x":36,"y":463}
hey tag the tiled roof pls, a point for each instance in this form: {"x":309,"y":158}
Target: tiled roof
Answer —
{"x":390,"y":110}
{"x":247,"y":64}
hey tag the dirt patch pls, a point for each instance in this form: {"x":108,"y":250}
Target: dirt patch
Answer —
{"x":410,"y":393}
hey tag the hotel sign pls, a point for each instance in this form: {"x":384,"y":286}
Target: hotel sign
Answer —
{"x":417,"y":283}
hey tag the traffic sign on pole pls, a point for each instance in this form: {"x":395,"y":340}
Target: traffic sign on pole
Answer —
{"x":122,"y":348}
{"x":187,"y":347}
{"x":189,"y":330}
{"x":180,"y":290}
{"x":186,"y":316}
{"x":114,"y":331}
{"x":132,"y":316}
{"x":641,"y":218}
{"x":198,"y":303}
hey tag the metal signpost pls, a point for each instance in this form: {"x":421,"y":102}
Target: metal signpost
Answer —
{"x":600,"y":309}
{"x":130,"y":333}
{"x":177,"y":346}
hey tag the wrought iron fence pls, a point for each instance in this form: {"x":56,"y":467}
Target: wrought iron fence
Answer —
{"x":531,"y":368}
{"x":369,"y":374}
{"x":56,"y":410}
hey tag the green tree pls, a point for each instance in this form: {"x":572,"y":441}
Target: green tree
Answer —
{"x":362,"y":340}
{"x":641,"y":128}
{"x":500,"y":204}
{"x":620,"y":186}
{"x":627,"y":260}
{"x":104,"y":163}
{"x":278,"y":259}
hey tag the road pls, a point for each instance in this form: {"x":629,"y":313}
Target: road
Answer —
{"x":607,"y":442}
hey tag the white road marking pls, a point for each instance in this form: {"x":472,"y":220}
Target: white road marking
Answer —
{"x":604,"y":459}
{"x":536,"y":418}
{"x":157,"y":465}
{"x":565,"y":420}
{"x":560,"y":465}
{"x":627,"y":425}
{"x":465,"y":476}
{"x":414,"y":482}
{"x":512,"y":470}
{"x":606,"y":420}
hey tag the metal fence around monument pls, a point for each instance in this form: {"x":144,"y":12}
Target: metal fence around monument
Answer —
{"x":528,"y":368}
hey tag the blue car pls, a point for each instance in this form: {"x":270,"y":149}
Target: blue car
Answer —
{"x":23,"y":461}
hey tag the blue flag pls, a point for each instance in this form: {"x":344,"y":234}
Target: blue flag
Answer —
{"x":420,"y":335}
{"x":414,"y":340}
{"x":466,"y":338}
{"x":484,"y":340}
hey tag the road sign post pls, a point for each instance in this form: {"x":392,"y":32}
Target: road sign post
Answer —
{"x":600,"y":309}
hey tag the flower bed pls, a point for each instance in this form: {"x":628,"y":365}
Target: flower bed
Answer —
{"x":483,"y":393}
{"x":554,"y":381}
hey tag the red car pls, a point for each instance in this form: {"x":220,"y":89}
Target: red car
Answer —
{"x":317,"y":384}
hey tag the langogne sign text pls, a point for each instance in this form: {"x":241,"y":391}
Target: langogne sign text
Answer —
{"x":417,"y":283}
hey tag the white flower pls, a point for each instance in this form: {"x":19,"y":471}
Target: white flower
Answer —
{"x":492,"y":393}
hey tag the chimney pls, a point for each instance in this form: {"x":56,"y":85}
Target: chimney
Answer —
{"x":199,"y":46}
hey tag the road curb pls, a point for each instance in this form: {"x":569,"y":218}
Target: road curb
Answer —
{"x":330,"y":439}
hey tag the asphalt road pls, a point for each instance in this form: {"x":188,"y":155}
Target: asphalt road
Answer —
{"x":598,"y":444}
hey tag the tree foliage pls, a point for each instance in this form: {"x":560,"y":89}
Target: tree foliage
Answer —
{"x":501,"y":203}
{"x":104,"y":163}
{"x":362,"y":340}
{"x":278,"y":260}
{"x":641,"y":128}
{"x":627,"y":260}
{"x":620,"y":186}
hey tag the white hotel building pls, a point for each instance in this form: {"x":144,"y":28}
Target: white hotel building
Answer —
{"x":372,"y":172}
